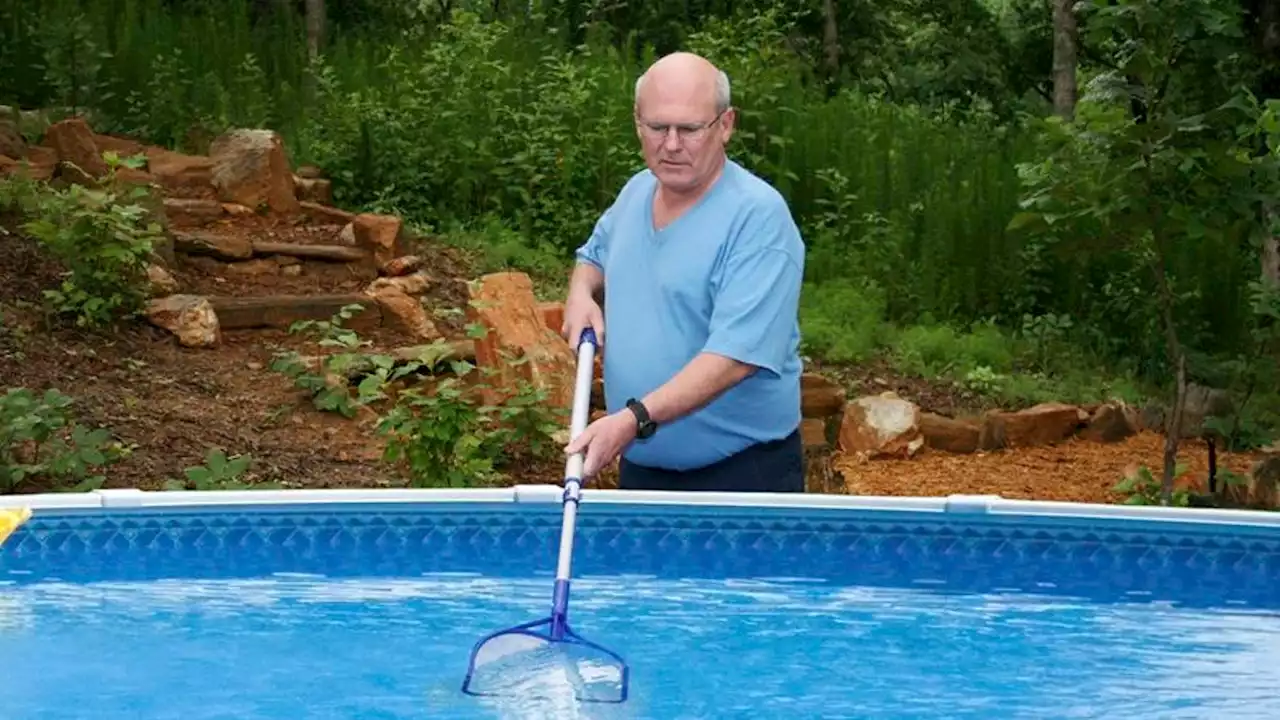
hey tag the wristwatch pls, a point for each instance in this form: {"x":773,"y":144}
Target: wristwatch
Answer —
{"x":645,"y":426}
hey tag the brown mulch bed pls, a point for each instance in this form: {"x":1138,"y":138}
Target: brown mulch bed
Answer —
{"x":1076,"y":470}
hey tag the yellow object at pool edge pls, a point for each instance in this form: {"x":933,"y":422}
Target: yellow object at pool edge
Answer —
{"x":11,"y":519}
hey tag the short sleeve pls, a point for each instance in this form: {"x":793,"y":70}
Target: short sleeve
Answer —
{"x":758,"y":294}
{"x":595,"y":249}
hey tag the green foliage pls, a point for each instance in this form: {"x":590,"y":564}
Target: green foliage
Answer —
{"x":40,"y":441}
{"x":447,"y":436}
{"x":434,"y":421}
{"x":103,"y":237}
{"x":328,"y":387}
{"x":1143,"y":488}
{"x":508,"y":128}
{"x":219,"y":472}
{"x":842,"y":323}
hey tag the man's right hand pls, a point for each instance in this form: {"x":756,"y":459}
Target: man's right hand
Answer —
{"x":581,"y":311}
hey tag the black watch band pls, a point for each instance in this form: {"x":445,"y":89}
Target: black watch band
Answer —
{"x":645,"y":426}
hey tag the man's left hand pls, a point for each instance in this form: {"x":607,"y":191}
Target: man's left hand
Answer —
{"x":603,"y":440}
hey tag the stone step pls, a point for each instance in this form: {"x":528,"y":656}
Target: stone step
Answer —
{"x":332,"y":253}
{"x":281,"y":311}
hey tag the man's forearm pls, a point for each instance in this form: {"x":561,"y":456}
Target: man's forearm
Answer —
{"x":697,"y":384}
{"x":586,"y":280}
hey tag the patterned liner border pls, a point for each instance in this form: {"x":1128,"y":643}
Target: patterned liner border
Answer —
{"x":961,"y":543}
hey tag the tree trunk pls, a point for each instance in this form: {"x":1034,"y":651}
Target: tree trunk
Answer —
{"x":831,"y":46}
{"x":1173,"y":432}
{"x":1271,"y":261}
{"x":315,"y":28}
{"x":1064,"y":59}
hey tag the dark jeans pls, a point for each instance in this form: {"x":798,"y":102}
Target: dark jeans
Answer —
{"x":776,"y":466}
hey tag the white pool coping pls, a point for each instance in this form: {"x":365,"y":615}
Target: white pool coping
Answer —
{"x":989,"y":505}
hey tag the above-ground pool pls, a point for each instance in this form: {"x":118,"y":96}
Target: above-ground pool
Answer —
{"x":308,"y":605}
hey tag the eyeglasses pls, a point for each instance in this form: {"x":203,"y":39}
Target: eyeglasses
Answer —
{"x":687,"y":132}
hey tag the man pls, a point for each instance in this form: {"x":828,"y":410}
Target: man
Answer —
{"x":700,"y":265}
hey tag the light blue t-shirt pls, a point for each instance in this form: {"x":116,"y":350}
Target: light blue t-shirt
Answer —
{"x":725,"y":278}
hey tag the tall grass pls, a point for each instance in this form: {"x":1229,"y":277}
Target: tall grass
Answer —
{"x":469,"y":124}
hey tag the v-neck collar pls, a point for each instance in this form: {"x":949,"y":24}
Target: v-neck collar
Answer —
{"x":651,"y":226}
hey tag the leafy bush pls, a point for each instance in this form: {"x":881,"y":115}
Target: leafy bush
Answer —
{"x":103,"y":237}
{"x":40,"y":441}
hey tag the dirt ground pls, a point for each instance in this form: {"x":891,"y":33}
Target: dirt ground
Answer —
{"x":172,"y":404}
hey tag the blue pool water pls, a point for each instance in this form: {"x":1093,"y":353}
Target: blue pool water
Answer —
{"x":363,"y":613}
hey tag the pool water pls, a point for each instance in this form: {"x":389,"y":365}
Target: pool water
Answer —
{"x":293,"y":646}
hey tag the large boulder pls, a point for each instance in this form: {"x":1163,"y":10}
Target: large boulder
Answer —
{"x":382,"y":236}
{"x":949,"y":434}
{"x":191,"y":318}
{"x":1043,"y":424}
{"x":250,"y":168}
{"x":73,"y":141}
{"x":12,"y":144}
{"x":179,"y":172}
{"x":883,"y":425}
{"x":518,"y":345}
{"x":1112,"y":422}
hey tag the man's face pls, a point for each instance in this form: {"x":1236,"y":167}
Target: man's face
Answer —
{"x":682,"y":135}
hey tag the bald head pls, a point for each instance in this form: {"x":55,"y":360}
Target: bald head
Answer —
{"x":685,"y":79}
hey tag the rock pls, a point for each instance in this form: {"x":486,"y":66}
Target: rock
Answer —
{"x":124,"y":147}
{"x":1043,"y":424}
{"x":504,"y":304}
{"x":190,"y":317}
{"x":161,"y":280}
{"x":250,"y":168}
{"x":819,"y":396}
{"x":222,"y":247}
{"x":327,"y":215}
{"x":70,"y":172}
{"x":381,"y":235}
{"x":253,"y":268}
{"x":179,"y":172}
{"x":949,"y":434}
{"x":404,"y":312}
{"x":552,"y":315}
{"x":1112,"y":422}
{"x":1264,"y":483}
{"x":192,"y":213}
{"x":12,"y":144}
{"x":402,"y":265}
{"x":347,"y":236}
{"x":1201,"y":403}
{"x":883,"y":425}
{"x":291,"y":270}
{"x":41,"y":161}
{"x":309,"y":172}
{"x":414,"y":284}
{"x":313,"y":190}
{"x":813,"y":433}
{"x":72,"y":140}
